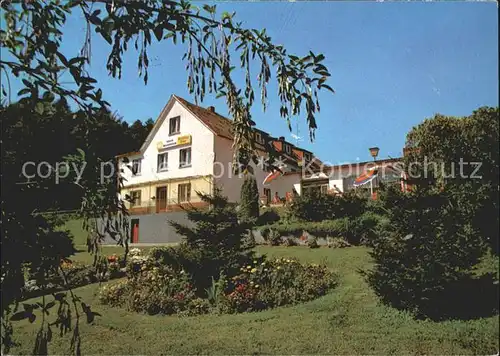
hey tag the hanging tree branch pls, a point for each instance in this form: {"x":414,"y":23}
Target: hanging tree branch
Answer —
{"x":208,"y":55}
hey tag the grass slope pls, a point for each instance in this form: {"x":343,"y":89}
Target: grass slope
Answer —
{"x":347,"y":321}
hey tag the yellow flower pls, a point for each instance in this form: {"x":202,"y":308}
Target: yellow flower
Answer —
{"x":279,"y":267}
{"x":251,"y":282}
{"x":256,"y":286}
{"x":263,"y":263}
{"x":255,"y":262}
{"x":248,"y":267}
{"x":288,"y":261}
{"x":265,"y":269}
{"x":253,"y":270}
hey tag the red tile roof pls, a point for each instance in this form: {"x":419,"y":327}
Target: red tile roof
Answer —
{"x":220,"y":125}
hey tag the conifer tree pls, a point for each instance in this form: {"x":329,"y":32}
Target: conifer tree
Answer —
{"x":217,"y":241}
{"x":249,"y":199}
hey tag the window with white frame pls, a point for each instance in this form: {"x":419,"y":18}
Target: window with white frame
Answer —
{"x":174,"y":125}
{"x":184,"y":193}
{"x":185,"y":157}
{"x":136,"y":167}
{"x":135,"y":198}
{"x":162,"y":164}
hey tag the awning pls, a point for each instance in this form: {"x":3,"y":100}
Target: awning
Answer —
{"x":366,"y":177}
{"x":271,"y":176}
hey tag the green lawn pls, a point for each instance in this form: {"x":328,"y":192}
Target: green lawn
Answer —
{"x":346,"y":321}
{"x":75,"y":227}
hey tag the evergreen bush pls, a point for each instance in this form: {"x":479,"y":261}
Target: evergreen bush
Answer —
{"x":249,"y":199}
{"x":425,"y":255}
{"x":216,"y":245}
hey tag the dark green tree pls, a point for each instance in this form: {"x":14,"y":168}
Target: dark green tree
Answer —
{"x":425,"y":257}
{"x":461,"y":156}
{"x":249,"y":199}
{"x":217,"y":242}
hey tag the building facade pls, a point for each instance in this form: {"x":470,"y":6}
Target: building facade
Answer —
{"x":190,"y":149}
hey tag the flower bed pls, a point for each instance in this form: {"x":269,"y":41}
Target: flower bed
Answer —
{"x":278,"y":282}
{"x":77,"y":274}
{"x":155,"y":288}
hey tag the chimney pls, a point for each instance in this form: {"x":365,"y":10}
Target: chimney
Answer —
{"x":211,"y":108}
{"x":281,"y":138}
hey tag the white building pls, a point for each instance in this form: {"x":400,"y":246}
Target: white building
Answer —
{"x":190,"y":149}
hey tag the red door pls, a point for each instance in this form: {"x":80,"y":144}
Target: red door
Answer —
{"x":135,"y":231}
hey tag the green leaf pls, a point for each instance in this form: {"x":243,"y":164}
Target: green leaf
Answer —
{"x":39,"y":108}
{"x":81,"y":152}
{"x":328,"y":87}
{"x":158,"y":31}
{"x":209,"y":9}
{"x":76,"y":60}
{"x":48,"y":96}
{"x":220,"y":94}
{"x":63,"y":59}
{"x":23,"y":91}
{"x":20,"y":316}
{"x":50,"y":305}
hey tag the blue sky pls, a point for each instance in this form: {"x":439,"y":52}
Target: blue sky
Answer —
{"x":393,"y":64}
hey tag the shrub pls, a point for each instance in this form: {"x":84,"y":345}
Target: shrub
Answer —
{"x":318,"y":207}
{"x":312,"y":242}
{"x":274,"y":238}
{"x":337,"y":242}
{"x":249,"y":199}
{"x":425,"y":254}
{"x":361,"y":230}
{"x":269,"y":216}
{"x":114,"y":294}
{"x":249,"y":240}
{"x":295,"y":229}
{"x":290,"y":241}
{"x":313,"y":207}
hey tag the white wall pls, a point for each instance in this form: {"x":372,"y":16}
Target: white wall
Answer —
{"x":336,"y":182}
{"x":231,"y":183}
{"x":202,"y":143}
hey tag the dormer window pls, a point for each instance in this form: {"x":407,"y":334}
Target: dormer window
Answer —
{"x":174,"y":125}
{"x":258,"y":138}
{"x":136,"y":167}
{"x":307,"y":156}
{"x":288,"y":149}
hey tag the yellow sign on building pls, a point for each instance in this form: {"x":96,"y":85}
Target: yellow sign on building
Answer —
{"x":184,"y":140}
